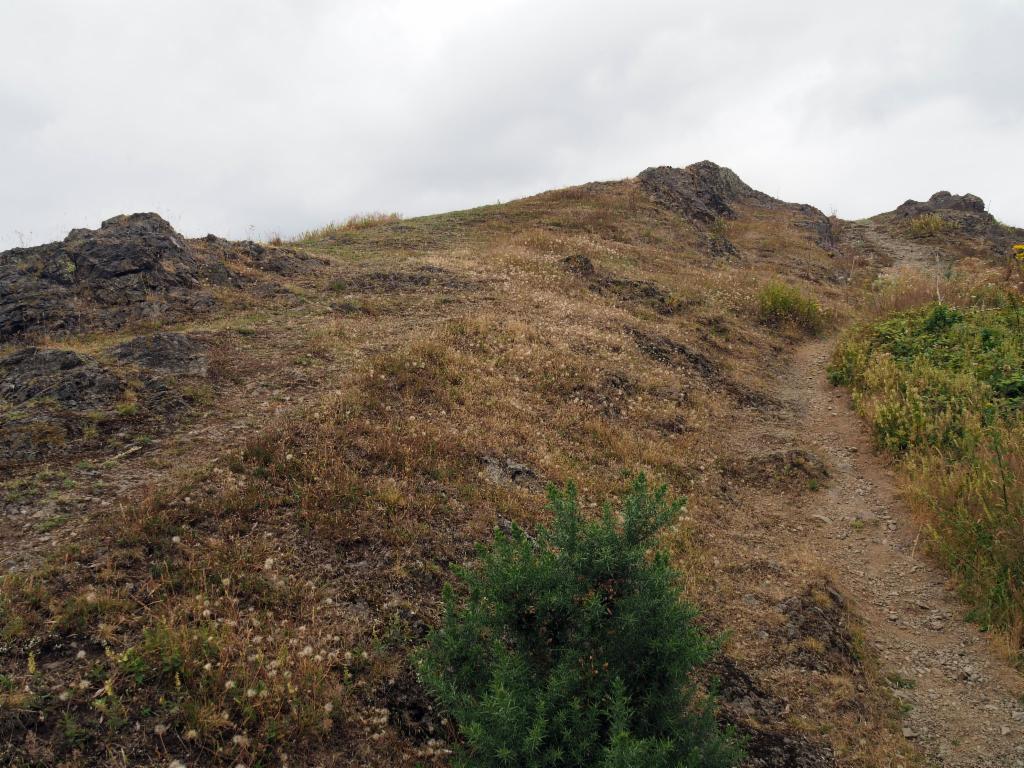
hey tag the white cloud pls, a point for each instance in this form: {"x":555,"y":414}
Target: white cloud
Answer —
{"x":261,"y":116}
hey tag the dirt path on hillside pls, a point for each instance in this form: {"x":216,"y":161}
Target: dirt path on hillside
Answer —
{"x":963,"y":702}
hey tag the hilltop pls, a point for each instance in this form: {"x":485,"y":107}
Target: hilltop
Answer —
{"x":238,"y":474}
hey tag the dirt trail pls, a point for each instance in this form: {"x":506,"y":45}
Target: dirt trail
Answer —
{"x":964,"y":703}
{"x":962,"y":699}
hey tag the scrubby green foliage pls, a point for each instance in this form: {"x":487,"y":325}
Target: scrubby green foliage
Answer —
{"x":937,"y":375}
{"x":779,"y":304}
{"x":575,"y":649}
{"x":943,"y":388}
{"x":929,"y":225}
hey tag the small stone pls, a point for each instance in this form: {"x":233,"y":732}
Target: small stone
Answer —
{"x":908,"y":733}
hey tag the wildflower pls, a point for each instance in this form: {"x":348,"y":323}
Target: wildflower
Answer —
{"x":207,"y":666}
{"x":328,"y":707}
{"x":175,"y":764}
{"x":191,"y":734}
{"x":307,"y":651}
{"x":229,"y":685}
{"x":226,"y":581}
{"x":268,"y":563}
{"x":250,"y":693}
{"x":64,"y":695}
{"x":176,"y":539}
{"x":32,"y":662}
{"x":160,"y":729}
{"x":240,"y":740}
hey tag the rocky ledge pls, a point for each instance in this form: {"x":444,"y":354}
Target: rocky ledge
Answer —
{"x":134,"y":267}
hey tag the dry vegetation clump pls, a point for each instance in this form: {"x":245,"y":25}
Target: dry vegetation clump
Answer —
{"x":782,"y":305}
{"x":351,"y":224}
{"x":929,"y":225}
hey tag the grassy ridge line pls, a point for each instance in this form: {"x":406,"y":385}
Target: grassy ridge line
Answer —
{"x":943,"y":389}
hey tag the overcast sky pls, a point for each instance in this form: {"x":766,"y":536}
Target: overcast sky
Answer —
{"x":249,"y":117}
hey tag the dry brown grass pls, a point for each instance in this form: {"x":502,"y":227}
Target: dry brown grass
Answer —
{"x":334,"y":526}
{"x":351,"y":224}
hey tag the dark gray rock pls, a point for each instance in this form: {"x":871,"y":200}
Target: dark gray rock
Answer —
{"x":705,"y":192}
{"x":132,"y":267}
{"x":942,"y":201}
{"x":760,"y":717}
{"x":277,"y":260}
{"x":65,"y":377}
{"x":166,"y":352}
{"x":966,"y":216}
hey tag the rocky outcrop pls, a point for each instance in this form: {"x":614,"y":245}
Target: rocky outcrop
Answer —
{"x":64,"y":377}
{"x":942,"y":201}
{"x":53,"y":402}
{"x":134,"y":267}
{"x":130,"y":268}
{"x":705,"y":192}
{"x":276,"y":260}
{"x":965,"y":227}
{"x":56,"y":403}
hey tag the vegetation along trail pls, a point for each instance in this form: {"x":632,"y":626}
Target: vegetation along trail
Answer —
{"x":961,"y":700}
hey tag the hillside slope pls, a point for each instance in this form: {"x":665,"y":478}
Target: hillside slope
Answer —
{"x":227,"y":525}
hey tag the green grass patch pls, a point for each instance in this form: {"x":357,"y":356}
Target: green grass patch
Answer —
{"x":781,"y":305}
{"x":943,"y":388}
{"x":929,"y":225}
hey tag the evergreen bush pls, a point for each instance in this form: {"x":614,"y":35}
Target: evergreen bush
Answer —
{"x":575,"y":648}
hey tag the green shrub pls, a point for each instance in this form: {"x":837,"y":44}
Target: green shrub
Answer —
{"x":575,"y":649}
{"x":780,"y":305}
{"x":943,"y":389}
{"x":929,"y":225}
